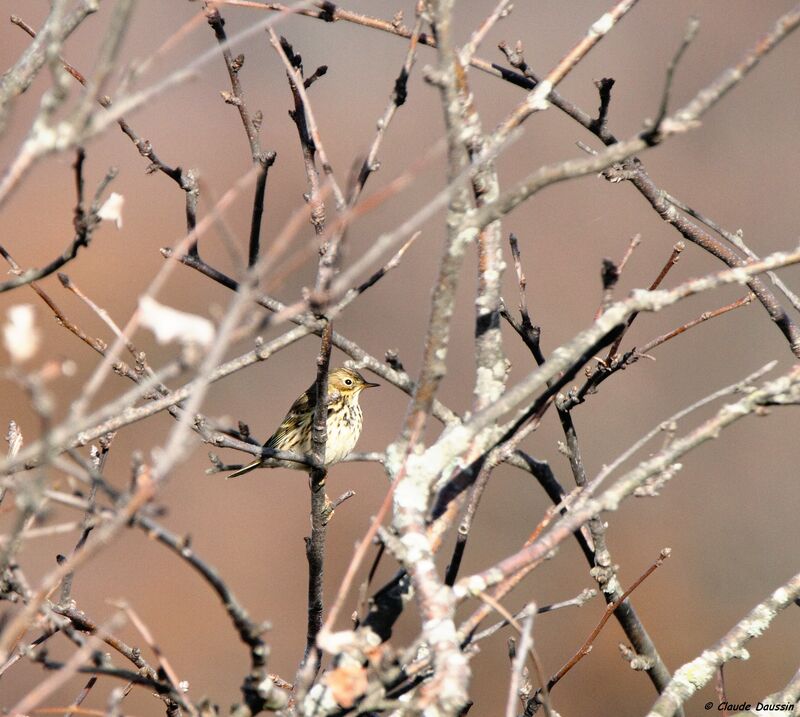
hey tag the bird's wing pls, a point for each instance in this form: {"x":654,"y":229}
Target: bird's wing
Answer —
{"x":301,"y":406}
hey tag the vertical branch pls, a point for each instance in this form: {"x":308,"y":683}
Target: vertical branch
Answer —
{"x":443,"y":301}
{"x":446,"y":692}
{"x":252,"y":128}
{"x":254,"y":246}
{"x":397,"y":100}
{"x":490,"y":359}
{"x":252,"y":125}
{"x":518,"y":666}
{"x":315,"y":544}
{"x":300,"y":83}
{"x":332,"y":249}
{"x":99,"y":456}
{"x":491,"y":364}
{"x":14,"y":439}
{"x":310,"y":141}
{"x":465,"y":142}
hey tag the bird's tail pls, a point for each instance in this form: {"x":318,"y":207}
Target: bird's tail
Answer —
{"x":245,"y":469}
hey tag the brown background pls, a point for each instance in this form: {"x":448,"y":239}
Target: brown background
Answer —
{"x":730,"y":516}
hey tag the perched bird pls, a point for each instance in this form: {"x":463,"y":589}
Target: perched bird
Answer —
{"x":344,"y":422}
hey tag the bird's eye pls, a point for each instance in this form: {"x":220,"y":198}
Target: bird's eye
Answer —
{"x":348,"y":382}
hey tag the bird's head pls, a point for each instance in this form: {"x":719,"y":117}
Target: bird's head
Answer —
{"x":347,"y":382}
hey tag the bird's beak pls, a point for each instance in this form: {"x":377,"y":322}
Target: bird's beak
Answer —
{"x":367,"y":384}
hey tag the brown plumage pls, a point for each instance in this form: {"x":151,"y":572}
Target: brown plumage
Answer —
{"x":344,"y":422}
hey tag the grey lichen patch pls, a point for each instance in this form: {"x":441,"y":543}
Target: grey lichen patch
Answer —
{"x":759,"y":620}
{"x":489,"y":381}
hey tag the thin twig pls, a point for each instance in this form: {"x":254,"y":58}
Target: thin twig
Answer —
{"x":299,"y":87}
{"x":586,"y":647}
{"x":705,"y":316}
{"x":689,"y":35}
{"x":501,"y":10}
{"x":673,"y":259}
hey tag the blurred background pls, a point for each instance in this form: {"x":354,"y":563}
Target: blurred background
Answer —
{"x":730,"y":516}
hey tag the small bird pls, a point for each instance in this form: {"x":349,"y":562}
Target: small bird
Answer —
{"x":344,"y":422}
